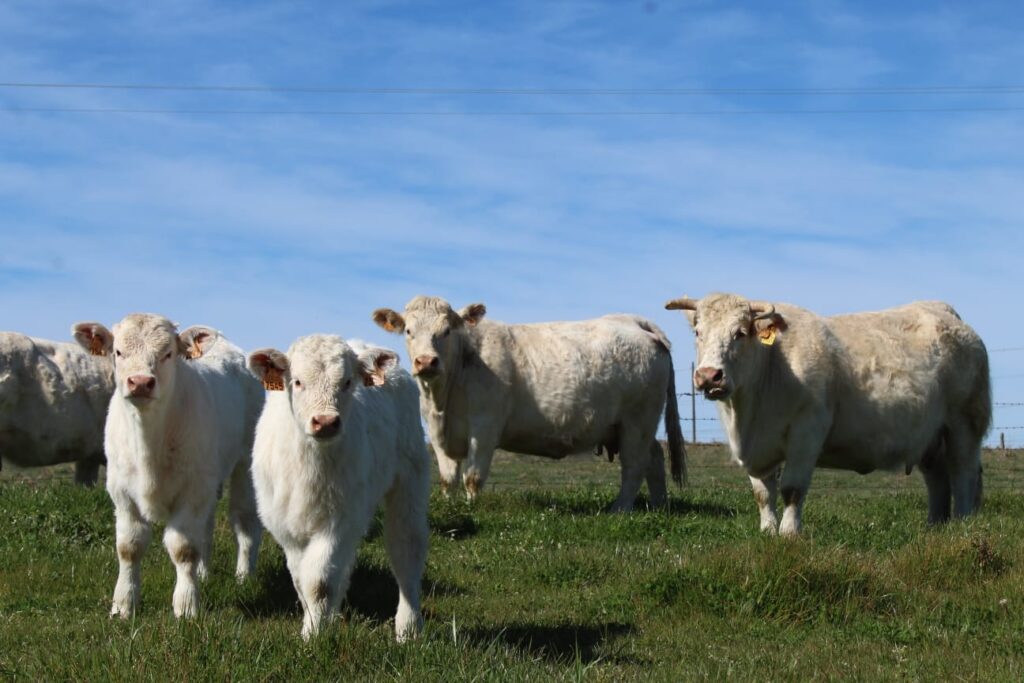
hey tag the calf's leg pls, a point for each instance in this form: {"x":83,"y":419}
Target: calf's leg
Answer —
{"x":245,"y":520}
{"x":406,"y":538}
{"x":133,"y":534}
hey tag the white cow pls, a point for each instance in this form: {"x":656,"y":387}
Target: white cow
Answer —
{"x":892,"y":389}
{"x":339,"y":433}
{"x":53,"y":402}
{"x":547,"y":389}
{"x":180,"y":423}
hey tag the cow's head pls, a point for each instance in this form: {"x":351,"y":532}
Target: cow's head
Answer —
{"x":432,"y":333}
{"x":145,"y":349}
{"x":733,"y":336}
{"x":320,"y":374}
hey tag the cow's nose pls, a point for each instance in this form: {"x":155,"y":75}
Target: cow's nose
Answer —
{"x":705,"y":378}
{"x":325,"y":426}
{"x":425,"y":362}
{"x":141,"y":386}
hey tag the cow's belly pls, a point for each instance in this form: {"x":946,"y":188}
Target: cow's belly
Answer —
{"x":552,"y":443}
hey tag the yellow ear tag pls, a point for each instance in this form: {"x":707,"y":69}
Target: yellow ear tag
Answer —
{"x":768,"y":336}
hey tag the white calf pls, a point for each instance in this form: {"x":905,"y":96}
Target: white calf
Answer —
{"x":341,"y":431}
{"x":176,"y":429}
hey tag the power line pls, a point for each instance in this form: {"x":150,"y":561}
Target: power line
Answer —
{"x":1007,"y":348}
{"x":495,"y":113}
{"x":344,"y":90}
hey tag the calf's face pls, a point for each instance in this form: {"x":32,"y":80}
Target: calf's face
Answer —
{"x":144,"y":348}
{"x":320,"y":374}
{"x":731,"y":334}
{"x":431,"y":330}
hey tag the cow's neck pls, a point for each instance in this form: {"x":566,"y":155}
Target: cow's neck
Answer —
{"x":441,"y":398}
{"x":749,"y":415}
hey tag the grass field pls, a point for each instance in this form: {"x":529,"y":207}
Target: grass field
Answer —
{"x":535,"y":582}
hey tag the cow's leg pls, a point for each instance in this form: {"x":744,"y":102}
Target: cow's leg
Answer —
{"x":87,"y":472}
{"x":963,"y":457}
{"x":634,"y":455}
{"x":206,"y":551}
{"x":293,"y":558}
{"x":656,"y":489}
{"x":482,"y":442}
{"x":448,"y":468}
{"x":245,"y":520}
{"x":802,"y":452}
{"x":936,"y":479}
{"x":766,"y":491}
{"x":184,"y":538}
{"x":324,"y":573}
{"x":406,"y":538}
{"x":133,"y":534}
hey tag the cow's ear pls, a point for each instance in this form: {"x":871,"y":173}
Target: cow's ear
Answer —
{"x":390,"y":320}
{"x":473,"y":314}
{"x":374,"y":364}
{"x":196,"y":341}
{"x":94,"y":338}
{"x":767,"y":328}
{"x":270,"y":367}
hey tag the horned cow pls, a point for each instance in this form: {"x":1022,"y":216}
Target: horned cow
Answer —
{"x":895,"y":389}
{"x":547,"y":389}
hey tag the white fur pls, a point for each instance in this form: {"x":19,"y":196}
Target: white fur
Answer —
{"x":168,"y":458}
{"x":53,"y":402}
{"x":318,"y":497}
{"x":547,"y":389}
{"x":895,"y":389}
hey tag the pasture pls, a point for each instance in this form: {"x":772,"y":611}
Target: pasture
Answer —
{"x":535,"y":582}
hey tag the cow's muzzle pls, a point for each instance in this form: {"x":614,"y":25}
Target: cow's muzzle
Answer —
{"x":712,"y":382}
{"x":140,"y":386}
{"x":324,"y":426}
{"x":426,"y":366}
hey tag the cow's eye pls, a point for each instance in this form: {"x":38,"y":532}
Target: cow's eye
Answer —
{"x":739,"y":333}
{"x":696,"y":333}
{"x":446,"y":332}
{"x":348,"y":385}
{"x":117,"y":353}
{"x":297,"y":384}
{"x":167,"y":355}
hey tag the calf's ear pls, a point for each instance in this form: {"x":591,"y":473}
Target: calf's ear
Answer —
{"x":473,"y":313}
{"x":270,"y":367}
{"x":390,"y":320}
{"x":374,"y":365}
{"x":94,"y":338}
{"x":195,"y":341}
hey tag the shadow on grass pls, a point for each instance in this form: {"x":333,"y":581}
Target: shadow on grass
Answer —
{"x":595,"y":504}
{"x":563,"y":644}
{"x":372,"y":593}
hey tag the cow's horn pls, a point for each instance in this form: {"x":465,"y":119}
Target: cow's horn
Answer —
{"x":762,"y":309}
{"x":683,"y":304}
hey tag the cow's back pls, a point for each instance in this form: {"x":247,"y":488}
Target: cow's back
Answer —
{"x":53,"y":399}
{"x":903,"y":372}
{"x":237,"y":398}
{"x":568,"y":384}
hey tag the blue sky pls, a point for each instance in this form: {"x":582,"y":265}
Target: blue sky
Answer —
{"x":272,"y":226}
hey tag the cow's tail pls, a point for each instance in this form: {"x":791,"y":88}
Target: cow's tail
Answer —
{"x":676,"y":446}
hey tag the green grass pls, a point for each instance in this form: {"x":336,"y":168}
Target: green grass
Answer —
{"x":536,"y":582}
